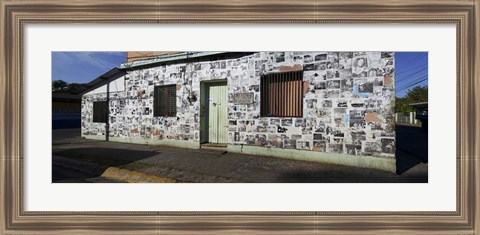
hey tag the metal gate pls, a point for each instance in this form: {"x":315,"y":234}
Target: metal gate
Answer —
{"x":217,"y":113}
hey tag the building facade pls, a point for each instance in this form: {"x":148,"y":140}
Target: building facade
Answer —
{"x":66,"y":110}
{"x":335,"y":107}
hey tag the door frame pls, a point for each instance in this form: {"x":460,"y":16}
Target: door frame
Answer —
{"x":204,"y":107}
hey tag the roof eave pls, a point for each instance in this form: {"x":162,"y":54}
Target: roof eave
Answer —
{"x":104,"y":79}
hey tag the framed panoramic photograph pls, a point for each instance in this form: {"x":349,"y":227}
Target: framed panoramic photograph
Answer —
{"x":244,"y":117}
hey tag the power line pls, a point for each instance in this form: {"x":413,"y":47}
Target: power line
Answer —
{"x":402,"y":89}
{"x":412,"y":83}
{"x":406,"y":78}
{"x":412,"y":80}
{"x":407,"y":88}
{"x":414,"y":60}
{"x":422,"y":67}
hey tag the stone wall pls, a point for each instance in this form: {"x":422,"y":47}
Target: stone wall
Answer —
{"x":348,"y":102}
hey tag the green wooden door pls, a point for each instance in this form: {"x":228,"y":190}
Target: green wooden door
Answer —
{"x":217,"y":113}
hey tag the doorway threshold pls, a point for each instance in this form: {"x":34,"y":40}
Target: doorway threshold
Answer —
{"x":214,"y":146}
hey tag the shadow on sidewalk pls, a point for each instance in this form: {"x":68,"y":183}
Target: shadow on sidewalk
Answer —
{"x":105,"y":156}
{"x":64,"y":171}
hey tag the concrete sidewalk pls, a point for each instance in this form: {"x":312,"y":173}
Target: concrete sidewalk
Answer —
{"x":209,"y":166}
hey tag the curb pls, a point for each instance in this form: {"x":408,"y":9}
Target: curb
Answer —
{"x":129,"y":176}
{"x":111,"y":173}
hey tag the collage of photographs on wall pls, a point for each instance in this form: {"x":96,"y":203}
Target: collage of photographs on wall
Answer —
{"x":348,"y":102}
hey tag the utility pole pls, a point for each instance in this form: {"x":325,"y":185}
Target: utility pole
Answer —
{"x":107,"y":121}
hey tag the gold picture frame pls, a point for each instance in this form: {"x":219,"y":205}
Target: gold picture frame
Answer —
{"x":14,"y":14}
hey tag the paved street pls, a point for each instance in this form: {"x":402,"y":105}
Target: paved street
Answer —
{"x":63,"y":174}
{"x":187,"y":165}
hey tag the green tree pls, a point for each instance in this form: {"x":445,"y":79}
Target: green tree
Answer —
{"x":418,"y":94}
{"x":414,"y":95}
{"x":65,"y":87}
{"x":59,"y":85}
{"x":402,"y":105}
{"x":74,"y":88}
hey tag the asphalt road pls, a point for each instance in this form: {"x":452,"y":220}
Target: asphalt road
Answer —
{"x":62,"y":174}
{"x":209,"y":166}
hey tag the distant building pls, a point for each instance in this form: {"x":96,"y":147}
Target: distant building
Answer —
{"x":334,"y":107}
{"x":421,"y":113}
{"x":66,"y":110}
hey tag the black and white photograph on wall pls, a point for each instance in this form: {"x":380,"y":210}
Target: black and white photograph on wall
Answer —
{"x":275,"y":121}
{"x":286,"y":122}
{"x":353,"y":149}
{"x":290,"y":143}
{"x":326,"y":103}
{"x":250,"y":139}
{"x":298,"y":59}
{"x":308,"y":59}
{"x":311,"y":103}
{"x":296,"y":136}
{"x":320,"y":57}
{"x":336,"y":132}
{"x":281,"y":129}
{"x":334,"y":84}
{"x":345,"y":73}
{"x":338,"y":140}
{"x":320,"y":127}
{"x":388,"y":145}
{"x":322,"y":66}
{"x":357,"y":122}
{"x":260,"y":140}
{"x":360,"y":62}
{"x":305,"y":145}
{"x":320,"y":85}
{"x":358,"y":137}
{"x":342,"y":104}
{"x":372,"y":148}
{"x":333,"y":94}
{"x":365,"y":86}
{"x":335,"y":148}
{"x":308,"y":67}
{"x":319,"y":146}
{"x":261,"y":129}
{"x":280,"y":57}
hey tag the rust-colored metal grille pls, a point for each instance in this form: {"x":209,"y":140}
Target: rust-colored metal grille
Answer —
{"x":282,"y":94}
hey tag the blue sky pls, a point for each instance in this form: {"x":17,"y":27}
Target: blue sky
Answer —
{"x":411,"y":70}
{"x":83,"y":67}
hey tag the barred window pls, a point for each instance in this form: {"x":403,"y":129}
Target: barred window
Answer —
{"x":282,"y":94}
{"x":100,"y":111}
{"x":165,"y":101}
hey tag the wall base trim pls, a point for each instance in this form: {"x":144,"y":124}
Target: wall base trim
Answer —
{"x":372,"y":162}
